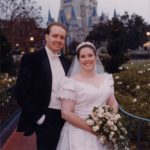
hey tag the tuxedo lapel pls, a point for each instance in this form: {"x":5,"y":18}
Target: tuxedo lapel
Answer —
{"x":47,"y":69}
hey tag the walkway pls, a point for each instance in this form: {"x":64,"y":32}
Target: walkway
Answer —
{"x":19,"y":142}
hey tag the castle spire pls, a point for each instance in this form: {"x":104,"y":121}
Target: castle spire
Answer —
{"x":62,"y":17}
{"x":73,"y":15}
{"x":115,"y":14}
{"x":50,"y":19}
{"x":94,"y":13}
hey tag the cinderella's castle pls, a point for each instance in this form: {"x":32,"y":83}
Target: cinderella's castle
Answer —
{"x":78,"y":16}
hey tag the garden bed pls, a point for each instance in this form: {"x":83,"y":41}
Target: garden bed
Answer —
{"x":132,"y":91}
{"x":132,"y":88}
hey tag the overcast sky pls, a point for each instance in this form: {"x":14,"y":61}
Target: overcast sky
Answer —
{"x":140,"y":7}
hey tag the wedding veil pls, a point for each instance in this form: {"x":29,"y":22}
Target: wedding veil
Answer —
{"x":75,"y":66}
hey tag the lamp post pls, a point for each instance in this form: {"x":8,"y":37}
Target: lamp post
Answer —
{"x":148,"y":33}
{"x":32,"y":44}
{"x":17,"y":45}
{"x":16,"y":53}
{"x":148,"y":36}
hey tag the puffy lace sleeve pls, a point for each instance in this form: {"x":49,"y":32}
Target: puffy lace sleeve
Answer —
{"x":110,"y":81}
{"x":66,"y":89}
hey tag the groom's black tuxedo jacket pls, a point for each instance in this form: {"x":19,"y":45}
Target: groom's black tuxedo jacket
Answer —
{"x":33,"y":88}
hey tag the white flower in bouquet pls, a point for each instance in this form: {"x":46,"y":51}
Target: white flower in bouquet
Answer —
{"x":117,"y":116}
{"x":95,"y":128}
{"x":90,"y":122}
{"x":110,"y":123}
{"x":108,"y":115}
{"x":111,"y":135}
{"x":115,"y":128}
{"x":100,"y":110}
{"x":102,"y":139}
{"x":108,"y":127}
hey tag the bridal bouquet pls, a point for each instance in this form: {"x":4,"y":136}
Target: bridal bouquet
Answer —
{"x":107,"y":125}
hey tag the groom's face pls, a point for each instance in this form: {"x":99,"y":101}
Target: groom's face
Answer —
{"x":55,"y":40}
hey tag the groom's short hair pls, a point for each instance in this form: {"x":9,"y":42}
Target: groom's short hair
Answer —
{"x":48,"y":29}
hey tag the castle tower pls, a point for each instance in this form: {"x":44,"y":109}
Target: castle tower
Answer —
{"x":77,"y":15}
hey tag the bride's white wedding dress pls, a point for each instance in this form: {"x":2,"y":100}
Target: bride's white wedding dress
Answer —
{"x":86,"y":97}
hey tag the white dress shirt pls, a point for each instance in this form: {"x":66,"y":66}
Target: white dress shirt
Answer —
{"x":57,"y":75}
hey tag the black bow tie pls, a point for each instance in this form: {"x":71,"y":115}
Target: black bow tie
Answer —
{"x":57,"y":54}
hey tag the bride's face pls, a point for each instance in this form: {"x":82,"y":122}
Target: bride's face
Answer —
{"x":87,"y":59}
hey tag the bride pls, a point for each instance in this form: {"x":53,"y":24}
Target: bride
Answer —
{"x":87,"y":87}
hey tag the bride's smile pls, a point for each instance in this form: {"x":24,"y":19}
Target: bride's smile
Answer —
{"x":87,"y":59}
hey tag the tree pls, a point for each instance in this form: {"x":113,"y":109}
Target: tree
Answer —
{"x":112,"y":36}
{"x":19,"y":20}
{"x":15,"y":9}
{"x":6,"y":61}
{"x":72,"y":47}
{"x":100,"y":35}
{"x":117,"y":47}
{"x":118,"y":35}
{"x":136,"y":31}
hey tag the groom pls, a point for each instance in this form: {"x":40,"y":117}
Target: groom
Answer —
{"x":36,"y":89}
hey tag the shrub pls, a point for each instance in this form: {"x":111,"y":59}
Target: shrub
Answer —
{"x":6,"y":81}
{"x":132,"y":86}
